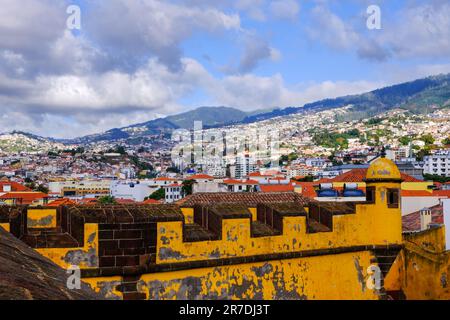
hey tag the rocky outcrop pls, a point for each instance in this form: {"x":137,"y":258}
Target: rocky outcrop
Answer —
{"x":26,"y":275}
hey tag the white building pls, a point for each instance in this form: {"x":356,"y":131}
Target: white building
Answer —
{"x":212,"y":186}
{"x":438,"y":164}
{"x":243,"y":167}
{"x":232,"y":185}
{"x":173,"y":192}
{"x":131,"y":190}
{"x":317,"y":162}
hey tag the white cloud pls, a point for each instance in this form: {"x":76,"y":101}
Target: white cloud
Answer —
{"x":284,"y":9}
{"x":255,"y":51}
{"x":91,"y":103}
{"x":420,"y":30}
{"x":129,"y":64}
{"x":137,"y":29}
{"x":250,"y":92}
{"x":330,"y":29}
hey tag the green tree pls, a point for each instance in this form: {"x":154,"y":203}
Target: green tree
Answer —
{"x":422,"y":153}
{"x":42,"y":188}
{"x":436,"y":178}
{"x":446,"y":141}
{"x":30,"y":185}
{"x":405,"y":140}
{"x":107,"y":200}
{"x":187,"y":187}
{"x":284,"y":158}
{"x":428,"y":139}
{"x":305,"y":179}
{"x":159,"y":194}
{"x":173,"y":170}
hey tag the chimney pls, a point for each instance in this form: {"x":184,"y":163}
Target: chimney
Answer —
{"x":446,"y":209}
{"x":425,"y":218}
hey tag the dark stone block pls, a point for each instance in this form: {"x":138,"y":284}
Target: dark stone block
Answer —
{"x":108,"y":226}
{"x":107,"y":261}
{"x":134,"y":296}
{"x":111,"y":252}
{"x":106,"y":235}
{"x":126,"y":244}
{"x":109,"y":244}
{"x":134,"y":251}
{"x":128,"y":234}
{"x":124,"y":261}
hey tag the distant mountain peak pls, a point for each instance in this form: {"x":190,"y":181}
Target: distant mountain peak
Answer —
{"x":416,"y":96}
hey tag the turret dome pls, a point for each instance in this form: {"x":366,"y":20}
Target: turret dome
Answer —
{"x":383,"y":169}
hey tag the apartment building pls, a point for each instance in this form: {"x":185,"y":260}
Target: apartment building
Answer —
{"x":438,"y":163}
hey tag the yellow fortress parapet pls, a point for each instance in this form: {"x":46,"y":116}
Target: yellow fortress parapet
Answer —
{"x":234,"y":246}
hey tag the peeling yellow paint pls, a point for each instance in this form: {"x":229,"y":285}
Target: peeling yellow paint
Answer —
{"x":41,"y":218}
{"x":426,"y":266}
{"x":322,"y":277}
{"x":106,"y":286}
{"x":5,"y":226}
{"x":188,"y":215}
{"x":372,"y":224}
{"x":85,"y":257}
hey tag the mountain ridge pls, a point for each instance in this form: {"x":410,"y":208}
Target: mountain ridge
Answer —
{"x":416,"y":96}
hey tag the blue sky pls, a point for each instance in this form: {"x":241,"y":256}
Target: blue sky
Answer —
{"x":136,"y":60}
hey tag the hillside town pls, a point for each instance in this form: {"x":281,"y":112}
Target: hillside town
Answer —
{"x":312,"y":149}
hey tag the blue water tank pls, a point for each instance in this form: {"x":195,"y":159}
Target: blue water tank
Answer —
{"x":328,"y":193}
{"x":353,"y":193}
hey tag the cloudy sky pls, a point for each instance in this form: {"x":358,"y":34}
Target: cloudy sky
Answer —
{"x":134,"y":60}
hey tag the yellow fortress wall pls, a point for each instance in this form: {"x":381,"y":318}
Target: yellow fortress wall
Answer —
{"x":242,"y":246}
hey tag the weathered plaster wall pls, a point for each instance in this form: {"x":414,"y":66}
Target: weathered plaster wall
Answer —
{"x":426,"y":266}
{"x":85,"y":257}
{"x":372,"y":224}
{"x":341,"y":276}
{"x":41,"y":218}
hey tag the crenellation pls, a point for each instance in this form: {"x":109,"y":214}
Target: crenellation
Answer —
{"x":129,"y":250}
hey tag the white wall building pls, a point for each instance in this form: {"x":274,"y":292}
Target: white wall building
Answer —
{"x":173,"y":192}
{"x":243,"y":167}
{"x":438,"y":164}
{"x":412,"y":204}
{"x":131,"y":190}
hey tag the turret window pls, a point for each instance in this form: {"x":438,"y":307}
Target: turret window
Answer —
{"x":393,"y":197}
{"x":370,"y":195}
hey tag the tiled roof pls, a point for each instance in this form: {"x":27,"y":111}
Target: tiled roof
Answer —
{"x":24,"y":197}
{"x":165,"y":179}
{"x":61,"y":202}
{"x":201,"y":176}
{"x":173,"y":185}
{"x":307,"y":189}
{"x":277,"y":188}
{"x":425,"y":193}
{"x":411,"y":222}
{"x":88,"y":201}
{"x":16,"y":187}
{"x":247,"y":198}
{"x":125,"y":201}
{"x":442,"y":193}
{"x":324,"y":180}
{"x":233,"y":181}
{"x":151,"y":201}
{"x":258,"y":174}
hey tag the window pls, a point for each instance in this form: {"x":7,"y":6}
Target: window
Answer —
{"x":393,"y":196}
{"x":370,"y":195}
